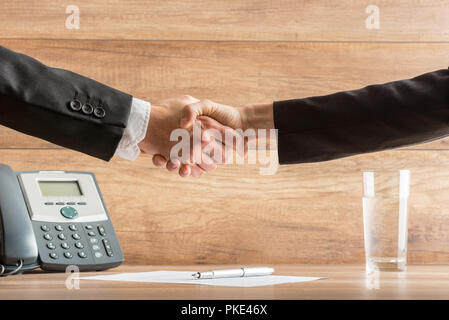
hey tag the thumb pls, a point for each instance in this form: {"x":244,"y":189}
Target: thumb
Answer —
{"x":194,"y":110}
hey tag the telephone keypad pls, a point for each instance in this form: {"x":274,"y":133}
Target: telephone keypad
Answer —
{"x":81,"y":244}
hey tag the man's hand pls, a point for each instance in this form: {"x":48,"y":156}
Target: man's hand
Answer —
{"x":251,"y":116}
{"x":165,"y":117}
{"x":220,"y":117}
{"x":256,"y":116}
{"x":228,"y":116}
{"x":212,"y":116}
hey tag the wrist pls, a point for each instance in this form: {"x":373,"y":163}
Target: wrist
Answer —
{"x":257,"y":116}
{"x":152,"y":136}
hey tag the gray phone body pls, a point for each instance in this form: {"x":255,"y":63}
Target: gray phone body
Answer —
{"x":53,"y":245}
{"x":17,"y":237}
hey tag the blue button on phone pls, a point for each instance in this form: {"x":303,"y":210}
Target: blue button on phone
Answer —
{"x":69,"y":212}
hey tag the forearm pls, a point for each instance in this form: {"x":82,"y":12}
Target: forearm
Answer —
{"x":259,"y":117}
{"x":374,"y":118}
{"x":135,"y":131}
{"x":61,"y":106}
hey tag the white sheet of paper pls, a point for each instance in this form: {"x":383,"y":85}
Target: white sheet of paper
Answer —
{"x":185,"y":277}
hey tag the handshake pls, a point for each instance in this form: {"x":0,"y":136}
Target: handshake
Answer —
{"x":193,"y":137}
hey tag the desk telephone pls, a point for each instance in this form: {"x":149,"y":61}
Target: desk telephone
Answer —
{"x":53,"y":219}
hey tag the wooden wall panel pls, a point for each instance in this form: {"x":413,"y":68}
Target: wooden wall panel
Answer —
{"x":259,"y":20}
{"x":238,"y":52}
{"x":308,"y":213}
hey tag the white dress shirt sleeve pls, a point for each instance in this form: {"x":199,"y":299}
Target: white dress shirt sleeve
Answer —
{"x":135,"y":130}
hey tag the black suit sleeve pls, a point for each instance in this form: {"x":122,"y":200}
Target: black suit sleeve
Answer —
{"x":374,"y":118}
{"x":44,"y":102}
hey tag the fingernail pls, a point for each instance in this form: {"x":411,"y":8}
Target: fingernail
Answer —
{"x":184,"y":172}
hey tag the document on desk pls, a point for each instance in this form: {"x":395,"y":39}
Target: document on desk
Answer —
{"x":185,"y":277}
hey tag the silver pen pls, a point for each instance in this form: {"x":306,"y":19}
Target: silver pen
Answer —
{"x":234,"y":273}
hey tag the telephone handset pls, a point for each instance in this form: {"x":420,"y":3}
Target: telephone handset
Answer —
{"x":54,"y":219}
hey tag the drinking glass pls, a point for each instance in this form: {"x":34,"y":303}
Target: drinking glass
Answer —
{"x":385,"y":215}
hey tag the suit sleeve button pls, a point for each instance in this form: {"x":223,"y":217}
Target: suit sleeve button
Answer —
{"x":99,"y":112}
{"x":87,"y":109}
{"x":75,"y":105}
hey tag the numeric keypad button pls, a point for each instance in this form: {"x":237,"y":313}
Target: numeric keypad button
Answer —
{"x":101,"y":230}
{"x":107,"y":247}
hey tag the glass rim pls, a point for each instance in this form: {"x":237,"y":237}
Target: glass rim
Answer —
{"x":386,"y":170}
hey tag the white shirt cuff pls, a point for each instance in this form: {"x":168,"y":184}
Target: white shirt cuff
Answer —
{"x":135,"y":130}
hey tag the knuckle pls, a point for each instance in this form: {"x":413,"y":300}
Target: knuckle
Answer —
{"x":188,"y":109}
{"x":207,"y":102}
{"x":187,"y":98}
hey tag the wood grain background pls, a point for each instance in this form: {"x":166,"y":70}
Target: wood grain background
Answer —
{"x":238,"y":52}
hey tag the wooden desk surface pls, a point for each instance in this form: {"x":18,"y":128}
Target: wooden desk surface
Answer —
{"x":344,"y":282}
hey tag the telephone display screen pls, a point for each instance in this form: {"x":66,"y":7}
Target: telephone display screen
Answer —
{"x":60,"y":188}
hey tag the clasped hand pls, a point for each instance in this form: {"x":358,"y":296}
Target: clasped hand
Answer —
{"x":205,"y":124}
